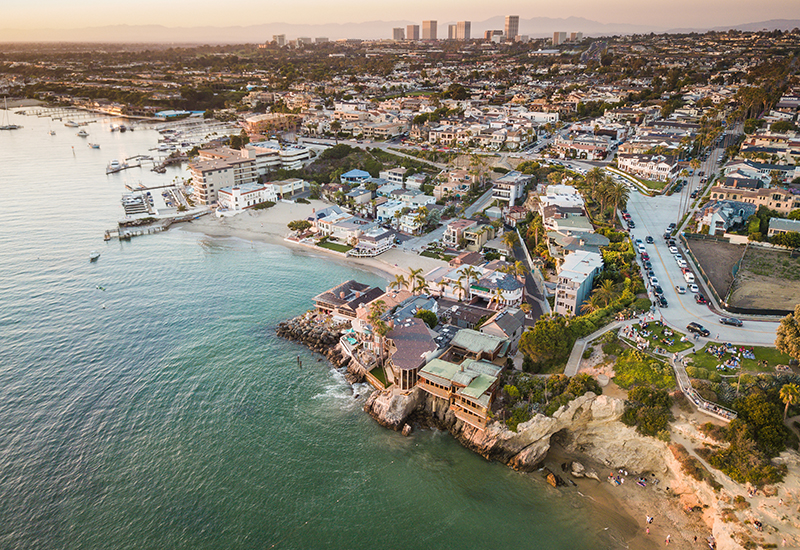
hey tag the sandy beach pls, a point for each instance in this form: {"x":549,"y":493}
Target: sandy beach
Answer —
{"x":270,"y":226}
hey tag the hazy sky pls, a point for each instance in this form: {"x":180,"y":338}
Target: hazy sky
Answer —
{"x":27,"y":14}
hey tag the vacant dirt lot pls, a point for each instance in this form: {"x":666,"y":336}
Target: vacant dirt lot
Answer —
{"x":717,"y":260}
{"x":768,"y":279}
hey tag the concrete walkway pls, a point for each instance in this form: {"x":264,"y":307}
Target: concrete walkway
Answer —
{"x":574,"y":361}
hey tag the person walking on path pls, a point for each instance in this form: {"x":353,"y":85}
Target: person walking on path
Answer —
{"x":668,"y":537}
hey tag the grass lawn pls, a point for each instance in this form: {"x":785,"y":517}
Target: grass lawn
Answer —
{"x":379,"y":373}
{"x":430,"y":254}
{"x":335,"y":246}
{"x":704,"y":360}
{"x":657,"y":335}
{"x":657,"y":185}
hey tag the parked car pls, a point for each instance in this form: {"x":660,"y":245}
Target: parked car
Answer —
{"x":658,"y":290}
{"x":693,"y":288}
{"x":682,"y":263}
{"x":645,"y":256}
{"x":697,"y":328}
{"x":631,"y":224}
{"x":730,"y":321}
{"x":700,"y":299}
{"x":671,"y":226}
{"x":673,"y":250}
{"x":693,"y":195}
{"x":678,"y":257}
{"x":662,"y":302}
{"x":653,"y":281}
{"x":647,"y":264}
{"x":680,"y":289}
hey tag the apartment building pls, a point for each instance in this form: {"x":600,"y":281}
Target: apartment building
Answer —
{"x":510,"y":187}
{"x":215,"y":169}
{"x":650,"y":167}
{"x":398,"y":34}
{"x":512,"y":27}
{"x":429,"y":30}
{"x":241,"y":197}
{"x":412,"y":32}
{"x":454,"y":231}
{"x":575,"y":278}
{"x":780,"y":200}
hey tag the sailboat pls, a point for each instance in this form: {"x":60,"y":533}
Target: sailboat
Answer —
{"x":6,"y":125}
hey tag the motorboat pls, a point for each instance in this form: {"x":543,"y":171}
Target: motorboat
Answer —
{"x":93,"y":255}
{"x":52,"y":132}
{"x":82,"y":133}
{"x":116,"y":166}
{"x":94,"y":145}
{"x":71,"y":124}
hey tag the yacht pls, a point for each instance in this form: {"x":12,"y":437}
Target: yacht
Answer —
{"x":6,"y":125}
{"x":71,"y":124}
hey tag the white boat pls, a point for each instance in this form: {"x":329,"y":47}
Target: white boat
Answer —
{"x":6,"y":125}
{"x":93,"y":255}
{"x":71,"y":124}
{"x":52,"y":132}
{"x":116,"y":166}
{"x":82,"y":133}
{"x":94,"y":145}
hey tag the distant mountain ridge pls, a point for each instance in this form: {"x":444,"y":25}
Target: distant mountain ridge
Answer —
{"x":536,"y":27}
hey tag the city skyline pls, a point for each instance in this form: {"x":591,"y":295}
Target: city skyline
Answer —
{"x":20,"y":15}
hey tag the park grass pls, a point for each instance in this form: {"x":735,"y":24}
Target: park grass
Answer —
{"x":703,"y":360}
{"x":657,"y":333}
{"x":335,"y":246}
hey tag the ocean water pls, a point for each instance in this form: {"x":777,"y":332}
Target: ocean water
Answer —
{"x":145,"y":401}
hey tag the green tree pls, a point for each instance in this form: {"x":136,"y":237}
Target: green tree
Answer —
{"x":299,"y":225}
{"x":788,"y":339}
{"x":549,"y":341}
{"x":790,"y":395}
{"x":510,"y":239}
{"x":428,"y":316}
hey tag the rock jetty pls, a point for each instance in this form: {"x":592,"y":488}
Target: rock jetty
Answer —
{"x":315,"y":332}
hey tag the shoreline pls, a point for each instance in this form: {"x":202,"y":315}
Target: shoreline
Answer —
{"x":269,"y":226}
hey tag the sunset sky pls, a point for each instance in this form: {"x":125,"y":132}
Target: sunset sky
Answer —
{"x":60,"y":14}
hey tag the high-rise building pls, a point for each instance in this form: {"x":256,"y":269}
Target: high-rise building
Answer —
{"x":575,"y":36}
{"x":512,"y":26}
{"x":429,"y":30}
{"x":398,"y":33}
{"x":412,"y":32}
{"x":559,"y":38}
{"x":463,"y":30}
{"x":489,"y":35}
{"x":279,"y":39}
{"x":451,"y":32}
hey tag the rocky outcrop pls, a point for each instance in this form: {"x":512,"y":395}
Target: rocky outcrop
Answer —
{"x":314,"y":332}
{"x":589,"y":424}
{"x":391,"y":409}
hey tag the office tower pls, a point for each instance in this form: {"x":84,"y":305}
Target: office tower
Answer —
{"x":412,"y":32}
{"x":429,"y":30}
{"x":279,"y":39}
{"x":320,"y":40}
{"x":512,"y":26}
{"x":303,"y":41}
{"x":559,"y":38}
{"x":463,"y":30}
{"x":451,"y":32}
{"x":575,"y":36}
{"x":398,"y":33}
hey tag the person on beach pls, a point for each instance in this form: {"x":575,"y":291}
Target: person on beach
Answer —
{"x":668,"y":537}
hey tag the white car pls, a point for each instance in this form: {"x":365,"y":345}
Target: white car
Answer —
{"x":680,"y":289}
{"x":693,"y":288}
{"x":673,"y":250}
{"x":682,"y":263}
{"x":678,"y":257}
{"x":654,"y":281}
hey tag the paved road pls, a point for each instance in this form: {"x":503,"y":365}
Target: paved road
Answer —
{"x":652,"y":215}
{"x":482,"y":202}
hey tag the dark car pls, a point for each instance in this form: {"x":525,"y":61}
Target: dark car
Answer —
{"x":667,"y":236}
{"x":730,"y":321}
{"x":697,"y":328}
{"x":693,"y":195}
{"x":662,"y":302}
{"x":700,"y":299}
{"x":631,"y":224}
{"x":649,"y":240}
{"x":658,"y":290}
{"x":671,"y":226}
{"x":647,"y":264}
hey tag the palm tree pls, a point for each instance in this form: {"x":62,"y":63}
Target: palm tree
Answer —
{"x":421,"y":285}
{"x":412,"y":277}
{"x":606,"y":292}
{"x":593,"y":177}
{"x":399,"y":282}
{"x":789,"y":394}
{"x":379,"y":327}
{"x":619,"y":194}
{"x":510,"y":239}
{"x":469,"y":273}
{"x":536,"y":229}
{"x":460,"y":289}
{"x":498,"y":296}
{"x":591,"y":305}
{"x":525,"y":307}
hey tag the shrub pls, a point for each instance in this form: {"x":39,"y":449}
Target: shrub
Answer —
{"x":264,"y":205}
{"x":649,"y":410}
{"x":693,"y":467}
{"x":714,"y":377}
{"x":642,"y":304}
{"x":612,"y":348}
{"x":587,"y":353}
{"x":634,"y":367}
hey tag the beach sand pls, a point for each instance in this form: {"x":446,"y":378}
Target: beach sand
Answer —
{"x":270,"y":226}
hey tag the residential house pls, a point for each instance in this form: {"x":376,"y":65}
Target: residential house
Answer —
{"x":469,"y":388}
{"x":247,"y":195}
{"x":342,"y":301}
{"x":510,"y":187}
{"x":720,"y":216}
{"x":410,"y":344}
{"x":575,"y":278}
{"x":354,"y":177}
{"x":454,"y":231}
{"x":476,"y":236}
{"x":511,"y":290}
{"x":780,"y":200}
{"x":508,"y":324}
{"x":650,"y":167}
{"x":780,"y":225}
{"x":395,"y":175}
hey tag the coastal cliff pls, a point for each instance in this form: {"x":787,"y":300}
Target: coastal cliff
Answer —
{"x":588,"y":425}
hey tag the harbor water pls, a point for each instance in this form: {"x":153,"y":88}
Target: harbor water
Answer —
{"x":145,"y":401}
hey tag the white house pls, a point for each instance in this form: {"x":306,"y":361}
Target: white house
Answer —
{"x":241,"y":197}
{"x":575,"y":279}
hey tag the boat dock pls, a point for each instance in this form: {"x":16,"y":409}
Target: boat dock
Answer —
{"x":125,"y":231}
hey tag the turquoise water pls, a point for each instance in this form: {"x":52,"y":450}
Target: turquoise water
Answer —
{"x":163,"y":412}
